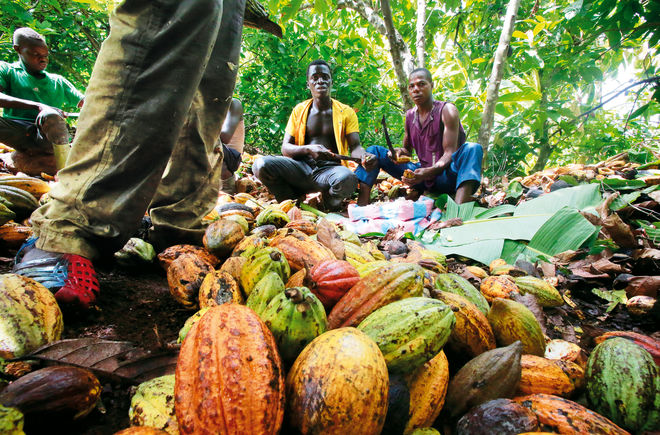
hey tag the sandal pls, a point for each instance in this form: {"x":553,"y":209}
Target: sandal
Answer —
{"x":71,"y":277}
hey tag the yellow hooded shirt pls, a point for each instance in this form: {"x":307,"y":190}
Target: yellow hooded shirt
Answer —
{"x":344,"y":122}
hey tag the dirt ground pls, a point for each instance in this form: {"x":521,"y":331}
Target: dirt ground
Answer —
{"x":133,"y":306}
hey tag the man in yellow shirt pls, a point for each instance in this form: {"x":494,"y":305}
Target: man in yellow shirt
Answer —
{"x":318,"y":130}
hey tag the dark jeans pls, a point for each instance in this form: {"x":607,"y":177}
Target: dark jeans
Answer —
{"x":465,"y":166}
{"x":287,"y":178}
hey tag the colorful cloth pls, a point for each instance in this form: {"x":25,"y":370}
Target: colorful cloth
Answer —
{"x":344,"y":121}
{"x":47,"y":88}
{"x":413,"y":216}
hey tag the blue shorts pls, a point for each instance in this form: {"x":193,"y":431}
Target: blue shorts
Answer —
{"x":465,"y":166}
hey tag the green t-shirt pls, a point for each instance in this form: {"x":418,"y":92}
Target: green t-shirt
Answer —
{"x":51,"y":89}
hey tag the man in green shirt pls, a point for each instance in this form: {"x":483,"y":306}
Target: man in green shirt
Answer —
{"x":32,"y":101}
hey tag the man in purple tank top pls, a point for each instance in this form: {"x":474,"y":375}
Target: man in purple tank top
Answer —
{"x":447,"y":163}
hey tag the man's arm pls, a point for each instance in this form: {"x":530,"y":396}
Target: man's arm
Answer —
{"x":316,"y":152}
{"x":369,"y":161}
{"x":234,"y":116}
{"x":9,"y":102}
{"x":450,"y":119}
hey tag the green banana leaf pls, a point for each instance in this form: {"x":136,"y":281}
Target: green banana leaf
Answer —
{"x":551,"y":223}
{"x":574,"y":229}
{"x":583,"y":197}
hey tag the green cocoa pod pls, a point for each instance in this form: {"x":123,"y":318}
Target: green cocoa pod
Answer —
{"x":453,"y":283}
{"x":264,"y":291}
{"x":222,"y":236}
{"x":623,"y":384}
{"x":189,"y":324}
{"x":543,"y":291}
{"x":11,"y":421}
{"x":261,"y":262}
{"x":5,"y":214}
{"x":153,"y":405}
{"x":512,"y":321}
{"x":272,"y":216}
{"x":295,"y":317}
{"x":409,"y":332}
{"x":136,"y":252}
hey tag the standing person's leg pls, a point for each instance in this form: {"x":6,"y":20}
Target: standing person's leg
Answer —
{"x":337,"y":183}
{"x":285,"y":178}
{"x":367,"y":179}
{"x":464,"y":173}
{"x":140,"y":92}
{"x":191,"y":183}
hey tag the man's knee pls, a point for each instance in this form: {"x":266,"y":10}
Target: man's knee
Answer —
{"x":263,"y":166}
{"x":473,"y":149}
{"x":53,"y":127}
{"x":346,"y":184}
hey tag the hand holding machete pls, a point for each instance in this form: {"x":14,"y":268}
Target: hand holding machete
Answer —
{"x":399,"y":155}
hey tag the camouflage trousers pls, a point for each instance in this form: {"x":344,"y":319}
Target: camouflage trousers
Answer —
{"x":154,"y":107}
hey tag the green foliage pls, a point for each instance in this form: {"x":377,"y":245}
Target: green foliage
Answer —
{"x":561,"y":53}
{"x":73,"y":33}
{"x":273,"y":78}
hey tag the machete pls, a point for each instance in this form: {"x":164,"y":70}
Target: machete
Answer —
{"x":387,"y":137}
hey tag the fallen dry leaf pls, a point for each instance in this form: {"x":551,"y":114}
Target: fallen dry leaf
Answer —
{"x":453,"y":222}
{"x":118,"y":360}
{"x":604,"y":208}
{"x":646,"y":254}
{"x":328,"y":237}
{"x":549,"y":270}
{"x":619,"y":231}
{"x":606,"y":266}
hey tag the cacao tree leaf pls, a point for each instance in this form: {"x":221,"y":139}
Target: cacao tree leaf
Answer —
{"x":120,"y":361}
{"x":328,"y":237}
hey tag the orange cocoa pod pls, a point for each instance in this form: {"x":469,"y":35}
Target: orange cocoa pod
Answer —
{"x":168,"y":255}
{"x":542,"y":375}
{"x":386,"y":284}
{"x":428,"y":389}
{"x":303,"y":225}
{"x":499,"y":286}
{"x":567,"y":417}
{"x":229,"y":376}
{"x":300,"y":250}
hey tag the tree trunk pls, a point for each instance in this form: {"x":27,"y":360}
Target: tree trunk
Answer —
{"x":421,"y":36}
{"x":401,"y":57}
{"x":402,"y":66}
{"x":496,"y":75}
{"x":542,"y":135}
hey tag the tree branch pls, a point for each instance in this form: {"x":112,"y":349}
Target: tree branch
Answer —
{"x":366,"y":12}
{"x":401,"y":57}
{"x":402,"y":66}
{"x":496,"y":75}
{"x":625,"y":127}
{"x":593,"y":109}
{"x":421,"y":37}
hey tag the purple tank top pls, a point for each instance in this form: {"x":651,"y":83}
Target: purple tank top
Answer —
{"x":427,"y":139}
